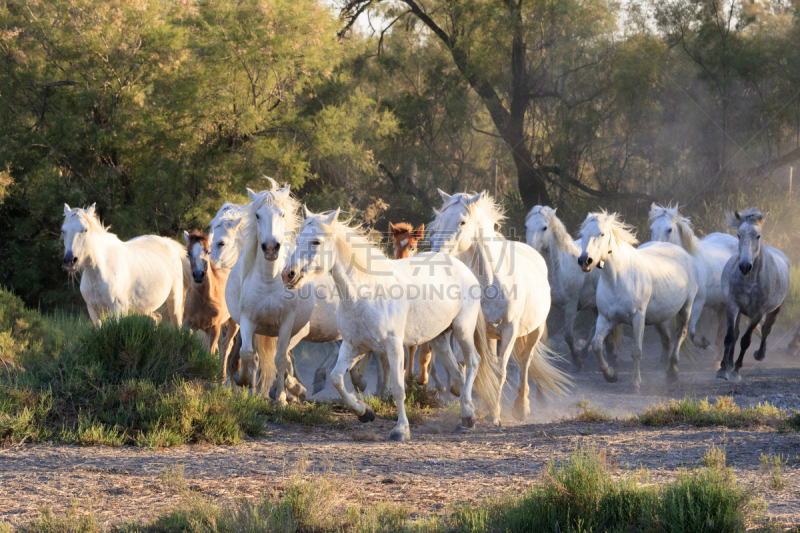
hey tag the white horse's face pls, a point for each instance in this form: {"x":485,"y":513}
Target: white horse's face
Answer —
{"x":595,"y":246}
{"x":537,"y":232}
{"x":74,"y":232}
{"x":456,"y":229}
{"x":272,"y":230}
{"x":314,"y":255}
{"x":223,"y":243}
{"x":664,"y":229}
{"x":750,"y":246}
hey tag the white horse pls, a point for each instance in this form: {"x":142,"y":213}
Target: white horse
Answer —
{"x":756,"y":282}
{"x":257,"y":298}
{"x":570,"y":289}
{"x":710,"y":255}
{"x":225,"y":234}
{"x":139,"y":275}
{"x":515,"y":291}
{"x":651,"y":284}
{"x":390,"y":304}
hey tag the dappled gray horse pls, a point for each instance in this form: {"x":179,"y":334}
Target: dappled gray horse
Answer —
{"x":755,"y":281}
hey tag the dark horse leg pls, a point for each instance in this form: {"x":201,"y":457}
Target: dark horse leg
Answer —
{"x":768,"y":322}
{"x":795,"y":343}
{"x":726,"y":364}
{"x":745,"y":344}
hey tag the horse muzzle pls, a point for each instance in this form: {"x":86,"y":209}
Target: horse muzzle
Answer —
{"x":70,"y":263}
{"x":586,"y":263}
{"x":291,"y":277}
{"x":199,"y":276}
{"x":745,"y":268}
{"x":271,"y":250}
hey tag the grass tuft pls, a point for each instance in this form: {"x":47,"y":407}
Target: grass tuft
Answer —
{"x":772,"y":466}
{"x":723,"y":412}
{"x":586,"y":412}
{"x":420,"y":402}
{"x":714,"y":457}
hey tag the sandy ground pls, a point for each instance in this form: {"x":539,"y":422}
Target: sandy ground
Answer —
{"x":437,"y":466}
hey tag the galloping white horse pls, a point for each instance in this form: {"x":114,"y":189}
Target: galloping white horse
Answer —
{"x":570,"y":289}
{"x":257,"y":298}
{"x":756,"y":282}
{"x":139,"y":275}
{"x":710,"y":255}
{"x":638,"y":286}
{"x":515,"y":291}
{"x":390,"y":304}
{"x":225,"y":235}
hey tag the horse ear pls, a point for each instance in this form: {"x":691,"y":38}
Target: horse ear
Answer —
{"x":333,"y":217}
{"x":67,"y":210}
{"x":445,"y":197}
{"x":737,"y":215}
{"x":91,"y":209}
{"x":474,"y":198}
{"x":391,"y":230}
{"x":763,"y":216}
{"x":186,"y":237}
{"x":286,"y":189}
{"x":419,"y":232}
{"x":306,"y":212}
{"x":252,"y":194}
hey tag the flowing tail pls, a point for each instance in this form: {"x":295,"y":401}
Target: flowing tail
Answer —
{"x":487,"y":382}
{"x":267,"y":348}
{"x":551,"y":381}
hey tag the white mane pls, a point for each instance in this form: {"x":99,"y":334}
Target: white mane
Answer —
{"x":485,"y":208}
{"x":228,"y":211}
{"x":558,"y":232}
{"x":622,"y":232}
{"x":90,"y":217}
{"x":684,"y":224}
{"x":751,"y":216}
{"x":275,"y":196}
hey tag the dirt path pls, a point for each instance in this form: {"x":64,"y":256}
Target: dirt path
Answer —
{"x":436,"y":468}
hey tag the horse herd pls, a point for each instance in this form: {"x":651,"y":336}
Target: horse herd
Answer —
{"x":272,"y":273}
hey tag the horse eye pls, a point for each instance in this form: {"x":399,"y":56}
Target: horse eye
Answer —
{"x":602,"y":234}
{"x":669,"y":230}
{"x":758,"y":238}
{"x":220,"y":244}
{"x":316,"y":243}
{"x":463,"y":223}
{"x":544,"y":228}
{"x":258,"y":217}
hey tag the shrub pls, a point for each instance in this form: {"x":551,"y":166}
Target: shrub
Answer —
{"x":586,"y":412}
{"x":23,"y":331}
{"x":723,"y":412}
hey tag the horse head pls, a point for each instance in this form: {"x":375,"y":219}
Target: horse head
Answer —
{"x":538,"y":227}
{"x":748,"y":227}
{"x":225,"y":237}
{"x":75,"y":232}
{"x":601,"y":234}
{"x":199,"y":252}
{"x":315,"y":250}
{"x":405,"y":239}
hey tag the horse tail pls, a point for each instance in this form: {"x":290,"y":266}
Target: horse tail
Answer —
{"x":550,"y":380}
{"x":487,"y":382}
{"x":267,"y":347}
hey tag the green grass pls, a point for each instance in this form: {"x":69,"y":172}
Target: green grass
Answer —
{"x":722,"y":412}
{"x":586,"y":412}
{"x":714,"y":457}
{"x":129,"y":381}
{"x":580,"y":495}
{"x":772,"y":465}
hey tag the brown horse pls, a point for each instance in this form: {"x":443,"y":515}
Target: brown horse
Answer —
{"x":405,"y":239}
{"x":205,"y":307}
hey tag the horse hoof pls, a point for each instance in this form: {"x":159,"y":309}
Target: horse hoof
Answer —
{"x":672,"y":376}
{"x":454,"y":391}
{"x":722,"y":374}
{"x":759,"y":355}
{"x":636,"y":389}
{"x":735,"y":377}
{"x":368,"y":416}
{"x":519,"y":413}
{"x":397,"y":436}
{"x":461,"y":428}
{"x":468,"y":422}
{"x":574,"y":368}
{"x":611,"y":375}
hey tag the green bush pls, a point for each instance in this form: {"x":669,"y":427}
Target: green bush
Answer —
{"x":723,"y":412}
{"x":23,"y":331}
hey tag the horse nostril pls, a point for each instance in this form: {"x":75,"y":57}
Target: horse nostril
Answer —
{"x":277,"y":246}
{"x":291,"y":274}
{"x":263,"y":247}
{"x":588,"y":260}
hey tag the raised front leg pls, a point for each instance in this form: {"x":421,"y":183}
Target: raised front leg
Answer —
{"x":637,"y":322}
{"x":282,"y":363}
{"x":765,"y":331}
{"x":602,"y":329}
{"x":347,"y":356}
{"x":744,"y":345}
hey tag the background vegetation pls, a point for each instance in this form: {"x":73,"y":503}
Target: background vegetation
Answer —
{"x":160,"y":111}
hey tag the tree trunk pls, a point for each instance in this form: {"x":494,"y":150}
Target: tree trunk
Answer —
{"x":530,"y":180}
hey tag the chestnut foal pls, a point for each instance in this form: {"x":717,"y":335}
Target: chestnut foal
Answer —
{"x":205,"y":307}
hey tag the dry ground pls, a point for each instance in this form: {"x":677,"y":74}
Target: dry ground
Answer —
{"x":437,"y":467}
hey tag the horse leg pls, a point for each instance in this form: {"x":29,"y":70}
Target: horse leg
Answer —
{"x":243,"y":377}
{"x":602,"y":329}
{"x":347,"y":356}
{"x":683,"y":318}
{"x":393,"y":348}
{"x":794,"y":344}
{"x":508,"y":337}
{"x":745,"y":344}
{"x":409,"y":362}
{"x":212,"y":339}
{"x":227,"y":346}
{"x":765,"y":331}
{"x":94,"y":315}
{"x":666,"y":341}
{"x":721,"y":323}
{"x":434,"y":373}
{"x":612,"y":345}
{"x":570,"y":313}
{"x":294,"y":385}
{"x":424,"y":364}
{"x":522,"y":405}
{"x":697,"y":309}
{"x":282,"y":361}
{"x":637,"y":322}
{"x":732,"y":320}
{"x":441,"y":347}
{"x":358,"y":373}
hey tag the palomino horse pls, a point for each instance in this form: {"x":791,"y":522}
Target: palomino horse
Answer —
{"x":570,"y":289}
{"x":710,"y":255}
{"x":515,"y":293}
{"x":139,"y":275}
{"x":205,"y":307}
{"x":257,"y":298}
{"x":378,"y":313}
{"x":756,"y":282}
{"x":651,"y":284}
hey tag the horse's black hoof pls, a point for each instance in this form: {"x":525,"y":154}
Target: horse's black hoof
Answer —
{"x":611,"y":375}
{"x":368,"y":416}
{"x":397,"y":436}
{"x":468,"y":422}
{"x":461,"y":428}
{"x":759,"y":355}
